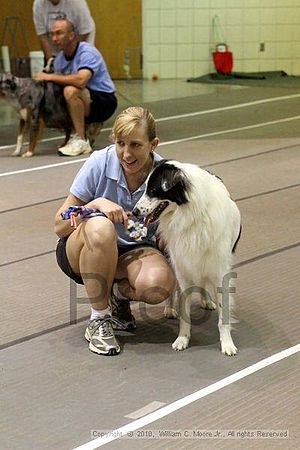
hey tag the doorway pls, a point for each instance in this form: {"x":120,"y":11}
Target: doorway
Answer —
{"x":119,"y":36}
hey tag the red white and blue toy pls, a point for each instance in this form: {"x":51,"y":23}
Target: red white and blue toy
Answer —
{"x":136,"y":229}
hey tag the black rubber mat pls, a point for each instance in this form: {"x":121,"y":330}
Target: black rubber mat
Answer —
{"x":278,"y":79}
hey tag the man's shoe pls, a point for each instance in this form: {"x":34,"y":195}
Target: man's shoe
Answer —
{"x":100,"y":335}
{"x":75,"y":146}
{"x":120,"y":310}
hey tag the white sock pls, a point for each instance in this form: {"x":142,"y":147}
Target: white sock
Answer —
{"x":99,"y":313}
{"x":117,"y":293}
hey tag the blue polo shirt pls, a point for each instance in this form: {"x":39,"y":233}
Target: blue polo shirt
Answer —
{"x":86,"y":57}
{"x":102,"y":176}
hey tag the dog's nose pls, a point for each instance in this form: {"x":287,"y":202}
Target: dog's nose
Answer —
{"x":136,"y":211}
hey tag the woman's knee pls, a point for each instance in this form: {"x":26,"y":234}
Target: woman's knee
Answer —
{"x":93,"y":236}
{"x":155,"y":286}
{"x":99,"y":232}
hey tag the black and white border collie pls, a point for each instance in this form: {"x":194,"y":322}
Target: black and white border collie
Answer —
{"x":200,"y":225}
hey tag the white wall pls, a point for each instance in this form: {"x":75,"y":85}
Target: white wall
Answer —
{"x":178,"y":36}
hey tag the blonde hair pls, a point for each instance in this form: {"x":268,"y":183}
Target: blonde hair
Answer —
{"x":132,"y":117}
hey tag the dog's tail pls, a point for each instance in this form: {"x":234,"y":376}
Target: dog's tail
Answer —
{"x":237,"y":240}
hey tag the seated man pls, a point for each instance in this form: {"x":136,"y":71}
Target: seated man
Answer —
{"x":46,"y":11}
{"x":89,"y":90}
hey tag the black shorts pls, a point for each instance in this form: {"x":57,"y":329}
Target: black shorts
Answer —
{"x":63,"y":262}
{"x":62,"y":259}
{"x":103,"y":106}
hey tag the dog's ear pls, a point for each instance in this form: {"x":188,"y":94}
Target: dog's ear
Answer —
{"x":172,"y":178}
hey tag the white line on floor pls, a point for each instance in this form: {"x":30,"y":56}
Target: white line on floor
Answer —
{"x":147,"y":409}
{"x":193,"y":114}
{"x":176,"y":141}
{"x":227,"y":108}
{"x":48,"y":166}
{"x":55,"y":138}
{"x":232,"y":130}
{"x":181,"y":403}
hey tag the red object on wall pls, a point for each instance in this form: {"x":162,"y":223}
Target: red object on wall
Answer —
{"x":223,"y":59}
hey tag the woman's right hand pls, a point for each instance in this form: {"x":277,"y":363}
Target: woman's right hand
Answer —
{"x":113,"y":211}
{"x":63,"y":227}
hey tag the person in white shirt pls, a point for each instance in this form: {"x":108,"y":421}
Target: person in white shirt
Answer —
{"x":76,"y":11}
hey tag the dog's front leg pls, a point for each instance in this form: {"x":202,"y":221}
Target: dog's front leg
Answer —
{"x":227,"y":344}
{"x":36,"y":130}
{"x":171,"y":306}
{"x":23,"y":125}
{"x":225,"y":308}
{"x":182,"y":341}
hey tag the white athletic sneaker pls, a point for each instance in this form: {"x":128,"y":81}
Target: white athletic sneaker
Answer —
{"x":100,"y":334}
{"x":75,"y":146}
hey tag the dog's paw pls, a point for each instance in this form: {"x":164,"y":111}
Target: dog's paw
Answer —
{"x":27,"y":154}
{"x":181,"y":343}
{"x":208,"y":304}
{"x":17,"y":152}
{"x":170,"y":313}
{"x":228,"y":348}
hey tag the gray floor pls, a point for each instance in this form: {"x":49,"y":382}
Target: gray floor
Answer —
{"x":54,"y":392}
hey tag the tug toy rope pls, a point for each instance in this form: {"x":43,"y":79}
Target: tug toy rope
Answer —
{"x":83,"y":211}
{"x":136,"y":229}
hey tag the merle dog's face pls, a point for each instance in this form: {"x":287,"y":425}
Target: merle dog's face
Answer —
{"x":167,"y":187}
{"x":7,"y":84}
